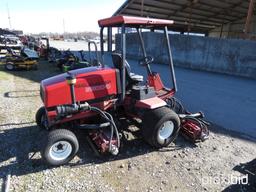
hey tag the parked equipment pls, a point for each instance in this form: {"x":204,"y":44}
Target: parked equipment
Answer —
{"x":96,"y":98}
{"x":27,"y":59}
{"x":66,"y":58}
{"x":44,"y":48}
{"x":69,"y":61}
{"x":77,"y":63}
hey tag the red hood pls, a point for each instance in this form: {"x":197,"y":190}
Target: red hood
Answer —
{"x":92,"y":83}
{"x":62,"y":77}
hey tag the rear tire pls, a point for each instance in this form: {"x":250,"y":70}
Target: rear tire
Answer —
{"x":9,"y":66}
{"x":41,"y":118}
{"x":60,"y":147}
{"x":160,"y":127}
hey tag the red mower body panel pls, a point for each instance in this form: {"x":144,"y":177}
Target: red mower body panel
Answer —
{"x":151,"y":103}
{"x":93,"y":83}
{"x":155,"y":81}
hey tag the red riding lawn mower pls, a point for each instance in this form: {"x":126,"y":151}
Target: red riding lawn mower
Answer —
{"x":94,"y":98}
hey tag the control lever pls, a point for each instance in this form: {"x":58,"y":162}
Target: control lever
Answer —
{"x":146,"y":61}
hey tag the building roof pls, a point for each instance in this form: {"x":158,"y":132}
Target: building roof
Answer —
{"x":188,"y":15}
{"x":117,"y":21}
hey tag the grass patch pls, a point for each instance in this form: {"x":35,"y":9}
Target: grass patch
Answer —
{"x":4,"y":75}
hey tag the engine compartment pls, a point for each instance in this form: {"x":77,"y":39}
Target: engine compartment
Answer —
{"x":93,"y":83}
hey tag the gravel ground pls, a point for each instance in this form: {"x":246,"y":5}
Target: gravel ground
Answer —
{"x":206,"y":166}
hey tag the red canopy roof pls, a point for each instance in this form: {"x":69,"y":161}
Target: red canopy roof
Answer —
{"x":117,"y":21}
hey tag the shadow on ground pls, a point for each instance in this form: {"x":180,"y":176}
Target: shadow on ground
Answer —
{"x":248,"y":181}
{"x":18,"y":145}
{"x":23,"y":93}
{"x":45,"y":70}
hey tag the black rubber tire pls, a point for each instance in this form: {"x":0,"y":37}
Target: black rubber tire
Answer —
{"x":9,"y":64}
{"x":152,"y":122}
{"x":55,"y":136}
{"x":39,"y":116}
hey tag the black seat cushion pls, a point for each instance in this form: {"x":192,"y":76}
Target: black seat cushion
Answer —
{"x":131,"y":77}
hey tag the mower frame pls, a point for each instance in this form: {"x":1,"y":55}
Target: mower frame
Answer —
{"x":106,"y":94}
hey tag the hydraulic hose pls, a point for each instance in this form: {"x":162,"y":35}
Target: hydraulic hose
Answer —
{"x":116,"y":131}
{"x":108,"y":117}
{"x":65,"y":110}
{"x":176,"y":105}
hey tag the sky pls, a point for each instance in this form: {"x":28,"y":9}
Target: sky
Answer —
{"x":34,"y":16}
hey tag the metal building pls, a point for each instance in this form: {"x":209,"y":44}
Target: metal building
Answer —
{"x":215,"y":18}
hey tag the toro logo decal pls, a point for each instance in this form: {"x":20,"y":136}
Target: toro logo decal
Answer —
{"x":98,"y":87}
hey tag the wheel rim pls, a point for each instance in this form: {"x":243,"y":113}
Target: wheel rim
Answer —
{"x":9,"y":66}
{"x":165,"y":131}
{"x":60,"y":150}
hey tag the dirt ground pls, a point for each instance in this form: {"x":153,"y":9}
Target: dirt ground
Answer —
{"x":222,"y":163}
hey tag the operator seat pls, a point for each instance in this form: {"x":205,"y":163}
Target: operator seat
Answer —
{"x":14,"y":55}
{"x":131,"y":78}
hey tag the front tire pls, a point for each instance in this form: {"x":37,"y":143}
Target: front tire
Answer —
{"x":9,"y":66}
{"x":41,"y":118}
{"x":160,"y":127}
{"x":61,"y":146}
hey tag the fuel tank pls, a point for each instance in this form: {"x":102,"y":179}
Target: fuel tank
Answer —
{"x":92,"y":84}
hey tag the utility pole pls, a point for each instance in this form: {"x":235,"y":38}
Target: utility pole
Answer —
{"x":9,"y":17}
{"x":64,"y":30}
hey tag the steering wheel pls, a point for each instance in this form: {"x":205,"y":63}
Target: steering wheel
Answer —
{"x":146,"y":60}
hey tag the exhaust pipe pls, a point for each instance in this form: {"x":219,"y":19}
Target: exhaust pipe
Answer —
{"x":64,"y":110}
{"x":71,"y":81}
